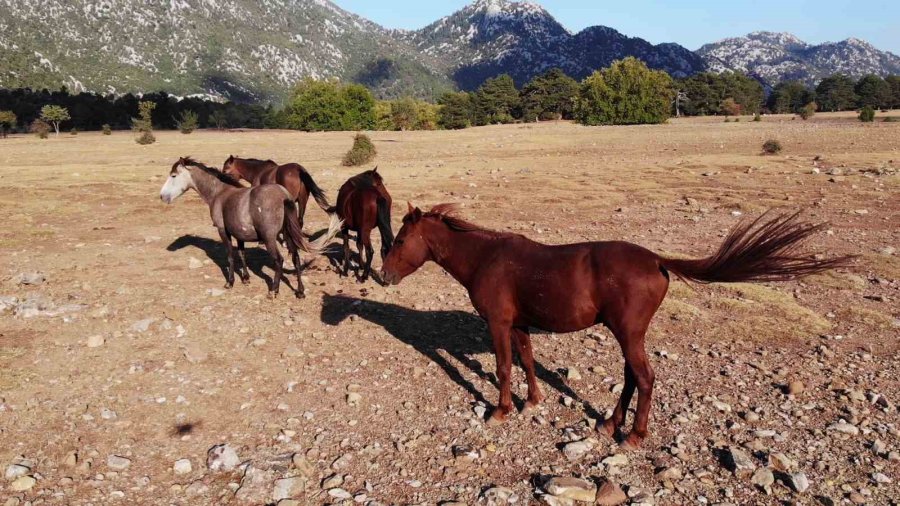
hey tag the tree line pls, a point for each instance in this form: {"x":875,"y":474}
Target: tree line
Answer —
{"x":626,"y":92}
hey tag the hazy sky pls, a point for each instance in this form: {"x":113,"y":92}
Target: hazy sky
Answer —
{"x":690,"y":23}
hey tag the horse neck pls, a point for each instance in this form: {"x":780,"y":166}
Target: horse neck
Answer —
{"x":458,"y":253}
{"x":250,"y":171}
{"x":207,"y":185}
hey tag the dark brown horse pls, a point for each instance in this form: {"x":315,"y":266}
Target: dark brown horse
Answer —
{"x":295,"y":179}
{"x":255,"y":214}
{"x":516,"y":283}
{"x":364,"y":203}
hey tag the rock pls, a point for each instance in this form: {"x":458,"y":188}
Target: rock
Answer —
{"x":887,"y":250}
{"x":142,"y":325}
{"x":30,"y":278}
{"x":798,"y":482}
{"x":291,"y":352}
{"x":215,"y":292}
{"x":222,"y":457}
{"x":845,"y":428}
{"x":95,"y":341}
{"x":669,"y":474}
{"x":339,"y":493}
{"x":302,"y":465}
{"x":354,"y":398}
{"x":194,"y":354}
{"x":117,"y":462}
{"x":194,"y":263}
{"x":287,"y":488}
{"x":572,"y":374}
{"x":610,"y":494}
{"x":763,"y":478}
{"x":14,"y":471}
{"x":619,"y":459}
{"x":881,"y":478}
{"x":22,"y":483}
{"x":572,"y":488}
{"x":878,"y":447}
{"x":182,"y":466}
{"x":739,"y":462}
{"x":795,"y":387}
{"x":781,"y":462}
{"x":722,"y":406}
{"x":333,"y":481}
{"x":108,"y":414}
{"x":499,"y":495}
{"x":575,"y":450}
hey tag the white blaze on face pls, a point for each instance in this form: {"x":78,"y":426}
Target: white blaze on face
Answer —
{"x":176,"y":184}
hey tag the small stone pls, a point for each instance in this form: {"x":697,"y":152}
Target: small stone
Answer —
{"x":194,"y":354}
{"x":845,"y":428}
{"x":354,"y":398}
{"x":572,"y":488}
{"x":194,"y":263}
{"x":751,"y":417}
{"x":722,"y":406}
{"x":798,"y":482}
{"x":575,"y":450}
{"x":610,"y":494}
{"x":781,"y":462}
{"x":339,"y":493}
{"x":14,"y":471}
{"x":739,"y":462}
{"x":182,"y":466}
{"x":795,"y":387}
{"x":499,"y":495}
{"x":142,"y":325}
{"x":333,"y":481}
{"x":619,"y":459}
{"x":287,"y":488}
{"x":108,"y":414}
{"x":572,"y":374}
{"x":302,"y":465}
{"x":22,"y":483}
{"x":763,"y":478}
{"x":669,"y":474}
{"x":117,"y":462}
{"x":222,"y":457}
{"x":881,"y":478}
{"x":30,"y":278}
{"x":95,"y":341}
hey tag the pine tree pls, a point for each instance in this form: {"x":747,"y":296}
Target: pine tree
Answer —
{"x":873,"y":91}
{"x":7,"y":122}
{"x":835,"y":93}
{"x":497,"y":101}
{"x":551,"y":95}
{"x":457,"y":110}
{"x":144,"y":124}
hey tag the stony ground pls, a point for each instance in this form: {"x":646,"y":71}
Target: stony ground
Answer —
{"x":128,"y":376}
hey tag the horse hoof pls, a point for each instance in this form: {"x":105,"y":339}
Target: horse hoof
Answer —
{"x":608,"y":427}
{"x":530,"y":408}
{"x":245,"y":281}
{"x":496,"y":418}
{"x":272,"y":295}
{"x":228,"y":286}
{"x":301,"y":295}
{"x":631,"y":443}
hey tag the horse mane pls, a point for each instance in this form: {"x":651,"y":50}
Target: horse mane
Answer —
{"x":255,"y":160}
{"x":367,"y":179}
{"x":447,"y":214}
{"x":221,"y":176}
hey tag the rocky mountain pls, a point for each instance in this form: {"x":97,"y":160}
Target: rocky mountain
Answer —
{"x":773,"y":57}
{"x":254,"y":50}
{"x":489,"y":37}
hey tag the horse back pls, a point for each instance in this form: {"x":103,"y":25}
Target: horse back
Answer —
{"x":358,"y":206}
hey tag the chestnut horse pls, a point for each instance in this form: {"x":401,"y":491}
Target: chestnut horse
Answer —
{"x":246,"y":214}
{"x":293,"y":176}
{"x":516,"y":283}
{"x":364,"y":203}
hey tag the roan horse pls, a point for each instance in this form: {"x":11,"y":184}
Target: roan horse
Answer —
{"x":292,"y":176}
{"x":516,"y":283}
{"x":364,"y":203}
{"x":255,"y":214}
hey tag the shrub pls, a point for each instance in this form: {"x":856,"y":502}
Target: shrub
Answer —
{"x":867,"y":114}
{"x":187,"y":122}
{"x":727,"y":120}
{"x":730,"y":107}
{"x":771,"y":147}
{"x":73,"y":131}
{"x":363,"y":151}
{"x":891,"y":119}
{"x":757,"y":117}
{"x":107,"y":130}
{"x":807,"y":111}
{"x":626,"y":93}
{"x":737,"y":120}
{"x":40,"y":128}
{"x":146,"y":138}
{"x":7,"y":121}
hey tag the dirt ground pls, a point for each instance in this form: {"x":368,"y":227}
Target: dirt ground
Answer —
{"x":129,"y":348}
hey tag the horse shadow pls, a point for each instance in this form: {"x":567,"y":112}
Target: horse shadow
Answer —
{"x":460,"y":334}
{"x":257,"y":257}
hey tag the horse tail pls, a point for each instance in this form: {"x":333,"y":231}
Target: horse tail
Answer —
{"x":315,"y":191}
{"x":293,"y":232}
{"x":767,"y":252}
{"x":383,"y":220}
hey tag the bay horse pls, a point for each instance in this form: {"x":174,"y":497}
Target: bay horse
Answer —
{"x":254,"y":214}
{"x":364,"y":203}
{"x":292,"y":176}
{"x":515,"y":283}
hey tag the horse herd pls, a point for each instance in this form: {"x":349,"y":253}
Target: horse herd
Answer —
{"x":514,"y":283}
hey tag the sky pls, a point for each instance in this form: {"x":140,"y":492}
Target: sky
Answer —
{"x":690,"y":23}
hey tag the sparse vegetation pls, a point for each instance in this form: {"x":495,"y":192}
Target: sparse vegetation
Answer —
{"x":187,"y":122}
{"x":362,"y":152}
{"x":54,"y":115}
{"x":40,"y":128}
{"x":757,"y":117}
{"x":144,"y":124}
{"x":73,"y":131}
{"x":7,"y":122}
{"x":771,"y":147}
{"x":107,"y":130}
{"x":807,"y":111}
{"x":867,"y":114}
{"x":890,"y":119}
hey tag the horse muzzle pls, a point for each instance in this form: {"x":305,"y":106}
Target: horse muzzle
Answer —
{"x":390,"y":278}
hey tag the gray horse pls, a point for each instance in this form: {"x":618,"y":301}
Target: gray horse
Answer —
{"x":255,"y":214}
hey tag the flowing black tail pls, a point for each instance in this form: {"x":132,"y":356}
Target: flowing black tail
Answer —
{"x":767,"y":252}
{"x":383,"y":220}
{"x":315,"y":191}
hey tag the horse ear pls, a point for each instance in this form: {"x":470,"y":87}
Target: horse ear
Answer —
{"x":409,"y":207}
{"x":375,"y":169}
{"x":230,"y":158}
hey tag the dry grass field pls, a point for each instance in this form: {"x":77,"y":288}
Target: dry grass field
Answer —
{"x":803,"y":378}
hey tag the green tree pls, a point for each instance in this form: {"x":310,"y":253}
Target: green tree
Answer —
{"x":835,"y":93}
{"x":143,"y":124}
{"x":894,"y":82}
{"x":497,"y":101}
{"x":404,"y":114}
{"x":187,"y":122}
{"x":626,"y":93}
{"x":457,"y":110}
{"x":329,"y":105}
{"x":54,"y":115}
{"x":551,"y":95}
{"x":867,"y":114}
{"x":790,"y":97}
{"x":873,"y":91}
{"x":730,"y":107}
{"x":7,"y":122}
{"x":707,"y":91}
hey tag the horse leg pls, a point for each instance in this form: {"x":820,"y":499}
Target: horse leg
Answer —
{"x":272,"y":248}
{"x":346,"y":234}
{"x":618,"y":416}
{"x":636,"y":358}
{"x":226,"y":240}
{"x":370,"y":252}
{"x":522,"y":342}
{"x":500,"y":334}
{"x":245,"y":276}
{"x":359,"y":250}
{"x":301,"y":290}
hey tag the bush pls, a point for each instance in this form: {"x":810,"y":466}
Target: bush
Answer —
{"x":146,"y":138}
{"x":73,"y":131}
{"x":363,"y":151}
{"x":187,"y":122}
{"x":457,"y":110}
{"x":40,"y":128}
{"x":757,"y":117}
{"x":807,"y":111}
{"x":730,"y":107}
{"x":771,"y":147}
{"x":891,"y":119}
{"x":737,"y":120}
{"x":867,"y":114}
{"x":107,"y":130}
{"x":626,"y":93}
{"x":7,"y":122}
{"x":727,"y":120}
